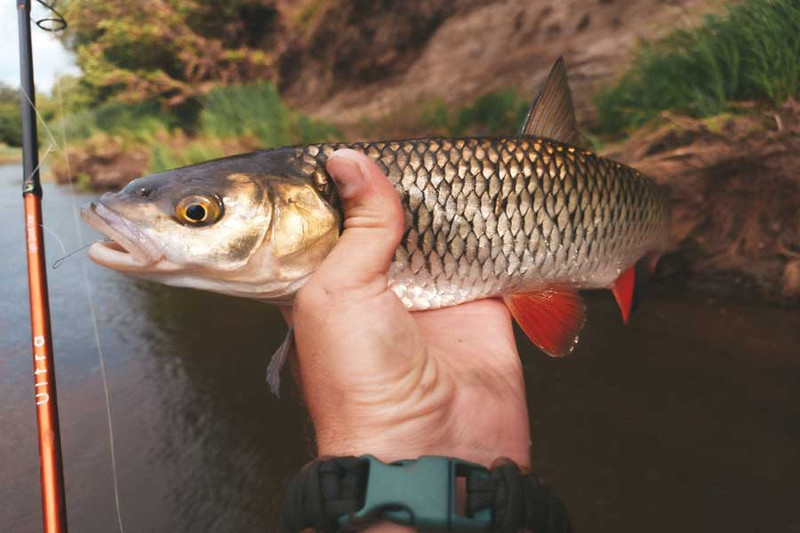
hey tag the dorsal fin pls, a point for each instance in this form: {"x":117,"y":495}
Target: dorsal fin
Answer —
{"x":552,"y":114}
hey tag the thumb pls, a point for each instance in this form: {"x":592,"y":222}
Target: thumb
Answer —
{"x":373,"y":220}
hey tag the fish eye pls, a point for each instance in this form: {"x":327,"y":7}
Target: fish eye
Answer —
{"x":198,"y":210}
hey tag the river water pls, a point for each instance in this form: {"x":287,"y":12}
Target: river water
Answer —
{"x":686,"y":420}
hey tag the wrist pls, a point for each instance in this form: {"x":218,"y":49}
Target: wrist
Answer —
{"x":435,"y":423}
{"x":480,"y":440}
{"x":391,"y":450}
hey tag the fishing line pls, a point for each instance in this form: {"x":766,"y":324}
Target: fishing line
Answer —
{"x":42,"y":159}
{"x":58,"y":262}
{"x":64,"y":255}
{"x":53,"y":24}
{"x":56,"y":23}
{"x":57,"y":238}
{"x":92,"y":311}
{"x":53,"y":143}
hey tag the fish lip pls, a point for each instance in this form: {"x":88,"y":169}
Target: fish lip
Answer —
{"x":138,"y":251}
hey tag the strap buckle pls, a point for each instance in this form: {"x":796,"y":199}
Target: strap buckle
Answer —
{"x":418,"y":492}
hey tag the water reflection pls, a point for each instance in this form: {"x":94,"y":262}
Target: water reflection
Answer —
{"x":687,"y":420}
{"x":201,"y":445}
{"x":220,"y":347}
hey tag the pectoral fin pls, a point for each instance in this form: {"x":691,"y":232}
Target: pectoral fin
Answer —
{"x":277,"y":362}
{"x":552,"y":114}
{"x":552,"y":318}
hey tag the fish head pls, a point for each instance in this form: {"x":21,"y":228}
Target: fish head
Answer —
{"x":253,"y":226}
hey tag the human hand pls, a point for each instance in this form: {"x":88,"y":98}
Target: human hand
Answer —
{"x":380,"y":380}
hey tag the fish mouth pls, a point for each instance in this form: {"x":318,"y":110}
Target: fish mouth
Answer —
{"x":126,"y":248}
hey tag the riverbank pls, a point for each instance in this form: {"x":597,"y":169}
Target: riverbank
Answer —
{"x":108,"y":162}
{"x":10,"y":155}
{"x":732,"y":180}
{"x":724,"y":140}
{"x":735,"y":194}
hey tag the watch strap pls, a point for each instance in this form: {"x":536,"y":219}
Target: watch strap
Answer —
{"x":329,"y":495}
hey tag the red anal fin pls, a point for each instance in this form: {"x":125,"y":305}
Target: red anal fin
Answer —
{"x":623,"y":292}
{"x":552,"y":318}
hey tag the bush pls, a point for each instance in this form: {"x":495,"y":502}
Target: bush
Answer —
{"x":258,"y":110}
{"x":10,"y":126}
{"x":494,"y":113}
{"x":164,"y":157}
{"x":135,"y":121}
{"x":226,"y":121}
{"x":750,"y":53}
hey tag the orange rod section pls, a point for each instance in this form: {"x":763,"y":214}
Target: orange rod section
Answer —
{"x":52,"y":473}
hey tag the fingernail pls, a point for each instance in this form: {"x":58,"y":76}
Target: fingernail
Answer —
{"x":345,"y":169}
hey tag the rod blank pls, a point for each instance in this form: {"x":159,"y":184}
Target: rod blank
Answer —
{"x":54,"y":507}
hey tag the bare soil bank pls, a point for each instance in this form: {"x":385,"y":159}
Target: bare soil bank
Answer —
{"x":733,"y":182}
{"x":368,"y":61}
{"x":735,"y":192}
{"x":101,"y":163}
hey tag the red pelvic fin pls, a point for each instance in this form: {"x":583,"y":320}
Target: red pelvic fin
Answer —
{"x":551,"y":318}
{"x":623,"y":292}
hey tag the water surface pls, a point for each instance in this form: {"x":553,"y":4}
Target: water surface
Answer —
{"x":686,"y":420}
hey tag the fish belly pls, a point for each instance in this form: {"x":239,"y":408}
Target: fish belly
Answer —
{"x":487,"y":217}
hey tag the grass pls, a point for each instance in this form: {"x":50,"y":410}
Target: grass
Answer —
{"x":132,"y":121}
{"x":224,"y":121}
{"x":163,"y":156}
{"x":494,"y":113}
{"x":750,"y":53}
{"x":257,"y":110}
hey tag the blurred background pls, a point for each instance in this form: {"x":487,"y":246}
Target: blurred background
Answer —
{"x":688,"y":419}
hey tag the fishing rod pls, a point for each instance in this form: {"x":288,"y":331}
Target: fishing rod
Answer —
{"x":54,"y":507}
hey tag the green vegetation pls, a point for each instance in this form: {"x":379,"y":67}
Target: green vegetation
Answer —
{"x":494,"y":113}
{"x":10,"y":127}
{"x":169,"y":80}
{"x":750,"y":53}
{"x":10,"y":124}
{"x":165,"y":157}
{"x":257,"y":110}
{"x":177,"y":81}
{"x":171,"y":50}
{"x":229,"y":119}
{"x":133,"y":121}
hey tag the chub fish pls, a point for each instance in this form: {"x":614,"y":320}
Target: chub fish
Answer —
{"x":530,"y":219}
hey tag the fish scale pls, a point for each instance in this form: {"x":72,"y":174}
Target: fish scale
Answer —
{"x":491,"y":216}
{"x":531,"y":219}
